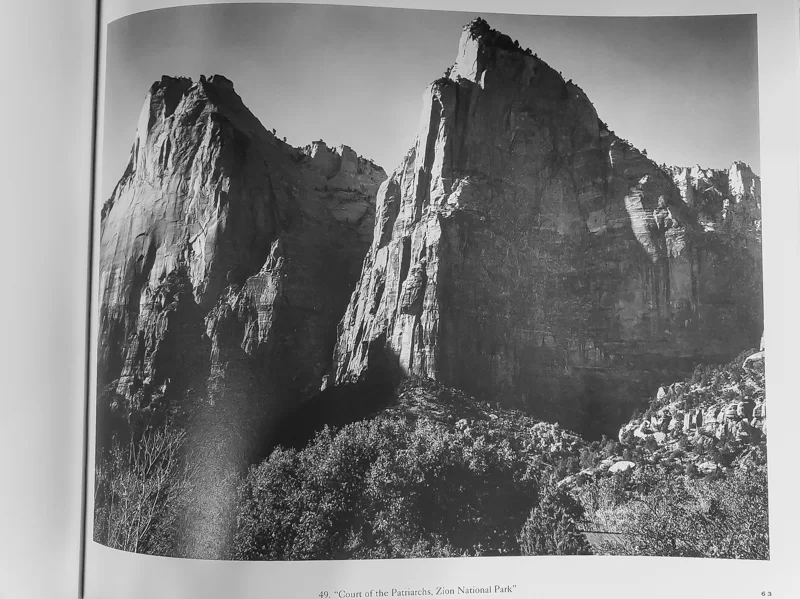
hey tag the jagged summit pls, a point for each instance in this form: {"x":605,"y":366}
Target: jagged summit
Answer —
{"x":482,"y":48}
{"x":169,"y":91}
{"x":480,"y":31}
{"x":174,"y":105}
{"x":170,"y":81}
{"x":219,"y":93}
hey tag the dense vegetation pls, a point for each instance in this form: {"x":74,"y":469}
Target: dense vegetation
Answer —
{"x":440,"y":474}
{"x":657,"y":513}
{"x":411,"y":482}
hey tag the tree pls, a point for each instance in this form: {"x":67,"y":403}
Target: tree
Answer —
{"x":552,"y":527}
{"x":138,"y":488}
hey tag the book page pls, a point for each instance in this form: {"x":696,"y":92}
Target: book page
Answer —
{"x":394,"y":302}
{"x":47,"y":51}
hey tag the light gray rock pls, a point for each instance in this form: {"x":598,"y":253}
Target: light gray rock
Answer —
{"x":621,"y":466}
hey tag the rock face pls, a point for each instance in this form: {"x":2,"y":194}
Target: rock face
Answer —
{"x":525,"y":253}
{"x":226,"y":260}
{"x":221,"y":243}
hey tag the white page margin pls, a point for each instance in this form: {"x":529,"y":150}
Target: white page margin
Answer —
{"x":47,"y":93}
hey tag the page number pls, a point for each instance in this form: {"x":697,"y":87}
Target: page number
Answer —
{"x":766,"y":593}
{"x":324,"y":595}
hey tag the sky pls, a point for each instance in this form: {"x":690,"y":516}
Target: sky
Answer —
{"x":683,"y":88}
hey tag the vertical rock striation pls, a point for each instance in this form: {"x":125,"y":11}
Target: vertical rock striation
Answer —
{"x":226,"y":260}
{"x":525,"y":253}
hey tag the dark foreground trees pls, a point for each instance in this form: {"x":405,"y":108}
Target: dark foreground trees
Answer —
{"x":400,"y":485}
{"x":383,"y":489}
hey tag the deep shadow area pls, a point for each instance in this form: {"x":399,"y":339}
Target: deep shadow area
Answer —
{"x":606,"y":403}
{"x":608,"y":400}
{"x":335,"y":407}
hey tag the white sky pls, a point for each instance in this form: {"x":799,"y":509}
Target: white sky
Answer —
{"x":683,"y":88}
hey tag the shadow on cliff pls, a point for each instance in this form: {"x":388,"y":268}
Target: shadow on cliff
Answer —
{"x":601,"y":404}
{"x":336,"y":406}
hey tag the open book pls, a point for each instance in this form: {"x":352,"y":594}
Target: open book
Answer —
{"x":393,"y":302}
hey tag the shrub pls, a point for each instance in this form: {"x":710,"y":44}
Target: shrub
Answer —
{"x":611,"y":447}
{"x":588,"y":458}
{"x":627,"y":438}
{"x":552,"y":527}
{"x":566,"y":465}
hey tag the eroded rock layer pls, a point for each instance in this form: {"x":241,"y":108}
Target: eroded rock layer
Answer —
{"x":226,"y":260}
{"x":525,"y":253}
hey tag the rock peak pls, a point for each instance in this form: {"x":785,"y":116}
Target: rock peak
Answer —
{"x":482,"y":49}
{"x":480,"y":31}
{"x":739,"y":165}
{"x":169,"y":81}
{"x":169,"y":86}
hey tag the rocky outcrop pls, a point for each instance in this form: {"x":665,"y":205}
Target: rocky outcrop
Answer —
{"x":226,"y":260}
{"x":712,"y":423}
{"x":722,"y":407}
{"x":726,"y":201}
{"x":525,"y":253}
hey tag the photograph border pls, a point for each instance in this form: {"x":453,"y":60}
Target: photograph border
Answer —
{"x":109,"y":571}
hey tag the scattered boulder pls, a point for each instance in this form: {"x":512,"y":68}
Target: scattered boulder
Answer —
{"x":621,"y":466}
{"x":707,"y":467}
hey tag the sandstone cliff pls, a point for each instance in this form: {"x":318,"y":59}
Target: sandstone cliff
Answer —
{"x":221,"y":244}
{"x":226,"y":260}
{"x":524,"y":253}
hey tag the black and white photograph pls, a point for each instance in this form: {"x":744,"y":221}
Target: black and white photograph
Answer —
{"x":382,"y":283}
